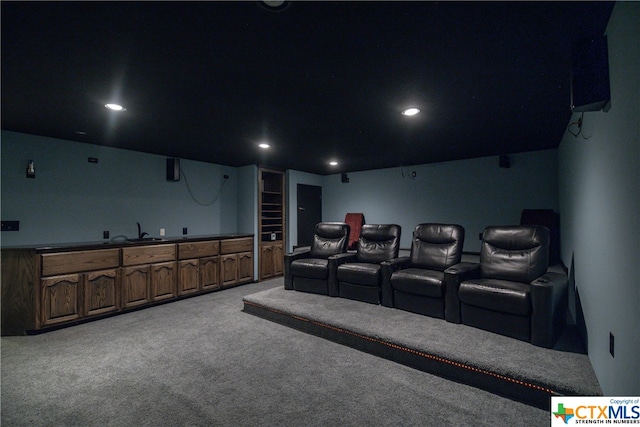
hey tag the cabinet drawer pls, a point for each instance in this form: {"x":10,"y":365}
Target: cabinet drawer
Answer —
{"x":148,"y":254}
{"x":74,"y":262}
{"x":232,"y":246}
{"x":198,"y":249}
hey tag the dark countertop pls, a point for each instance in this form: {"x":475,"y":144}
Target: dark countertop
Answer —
{"x":121,"y":242}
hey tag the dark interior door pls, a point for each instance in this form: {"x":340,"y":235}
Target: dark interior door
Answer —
{"x":309,"y":212}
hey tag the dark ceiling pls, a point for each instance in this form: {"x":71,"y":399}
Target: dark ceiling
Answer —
{"x":319,"y":81}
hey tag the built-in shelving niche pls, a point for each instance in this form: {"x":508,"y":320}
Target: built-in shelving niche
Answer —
{"x":272,"y":222}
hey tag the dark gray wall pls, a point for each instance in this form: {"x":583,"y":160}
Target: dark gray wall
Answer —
{"x":600,"y":212}
{"x":73,"y":200}
{"x":474,"y":193}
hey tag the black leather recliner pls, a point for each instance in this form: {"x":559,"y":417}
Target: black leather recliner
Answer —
{"x":359,"y":275}
{"x":312,"y":269}
{"x":510,"y":292}
{"x":416,"y":283}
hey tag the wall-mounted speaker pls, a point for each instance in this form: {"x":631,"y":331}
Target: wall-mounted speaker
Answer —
{"x":345,"y":177}
{"x":505,"y":162}
{"x":173,"y":169}
{"x":590,"y":87}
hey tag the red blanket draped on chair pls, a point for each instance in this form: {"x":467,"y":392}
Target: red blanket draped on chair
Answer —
{"x":355,"y":221}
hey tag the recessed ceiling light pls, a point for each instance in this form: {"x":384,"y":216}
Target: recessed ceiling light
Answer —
{"x":275,"y":5}
{"x":264,"y":145}
{"x":411,"y":111}
{"x":333,"y":163}
{"x":115,"y":107}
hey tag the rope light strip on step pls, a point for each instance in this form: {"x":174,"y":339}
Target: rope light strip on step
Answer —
{"x":408,"y":350}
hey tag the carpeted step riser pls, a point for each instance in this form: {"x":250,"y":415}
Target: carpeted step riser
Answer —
{"x":531,"y":394}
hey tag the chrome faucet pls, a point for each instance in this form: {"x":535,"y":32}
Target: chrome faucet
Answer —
{"x":140,"y":233}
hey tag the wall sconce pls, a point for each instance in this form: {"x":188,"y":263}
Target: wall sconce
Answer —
{"x":31,"y":172}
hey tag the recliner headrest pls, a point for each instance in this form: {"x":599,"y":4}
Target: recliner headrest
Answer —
{"x":330,"y":238}
{"x":518,"y":253}
{"x":438,"y":233}
{"x":379,"y":242}
{"x":516,"y":237}
{"x":437,"y":246}
{"x":331,"y":230}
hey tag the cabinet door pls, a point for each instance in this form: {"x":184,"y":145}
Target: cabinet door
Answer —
{"x":135,"y":286}
{"x":229,"y":269}
{"x":209,"y":273}
{"x":101,"y":292}
{"x":266,"y":262}
{"x":278,"y":259}
{"x":189,"y":272}
{"x":271,"y":260}
{"x":61,"y":298}
{"x":163,"y":281}
{"x":245,"y":267}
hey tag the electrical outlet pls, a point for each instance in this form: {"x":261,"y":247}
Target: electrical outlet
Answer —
{"x":612,"y":344}
{"x":225,"y":176}
{"x":162,"y":231}
{"x":105,"y":234}
{"x":10,"y":225}
{"x":184,"y":230}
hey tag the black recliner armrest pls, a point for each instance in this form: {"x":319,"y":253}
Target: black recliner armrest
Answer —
{"x":334,"y":262}
{"x":397,"y":263}
{"x":288,"y":259}
{"x":549,"y":295}
{"x":387,"y":268}
{"x":453,"y":276}
{"x":299,"y":253}
{"x":343,"y":258}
